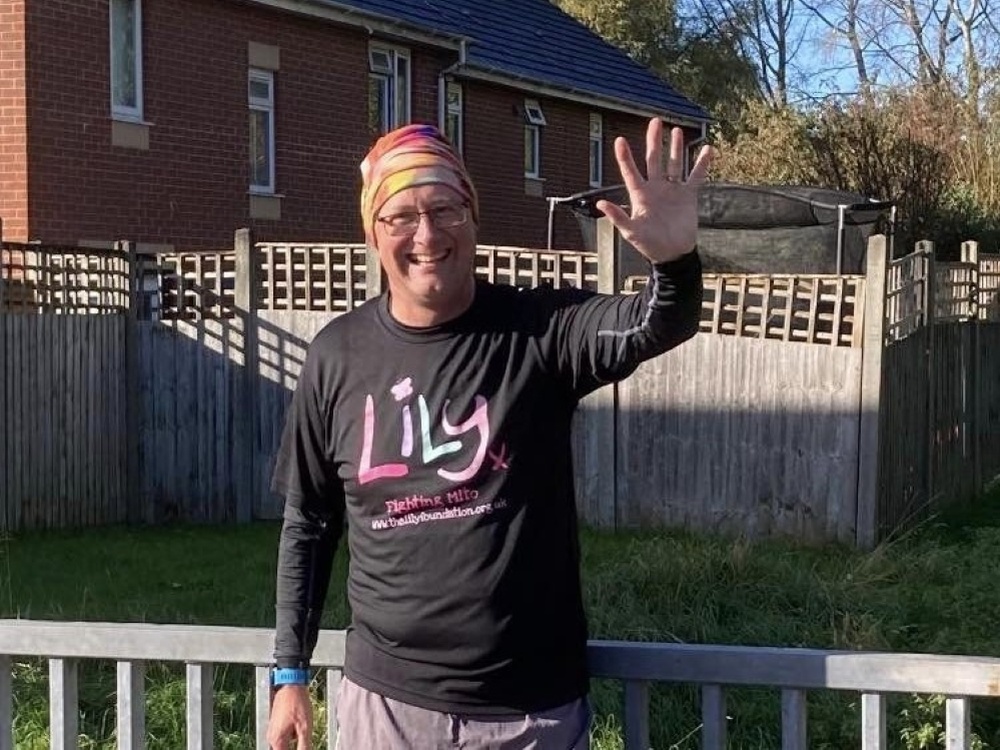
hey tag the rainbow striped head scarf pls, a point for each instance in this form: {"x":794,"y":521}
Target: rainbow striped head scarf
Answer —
{"x":407,"y":157}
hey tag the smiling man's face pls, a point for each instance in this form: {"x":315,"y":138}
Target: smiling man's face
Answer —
{"x":430,"y":272}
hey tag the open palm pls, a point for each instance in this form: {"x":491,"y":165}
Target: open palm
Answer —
{"x":663,"y":224}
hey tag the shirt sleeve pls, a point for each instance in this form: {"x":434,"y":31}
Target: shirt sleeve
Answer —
{"x":597,"y":339}
{"x":306,"y":478}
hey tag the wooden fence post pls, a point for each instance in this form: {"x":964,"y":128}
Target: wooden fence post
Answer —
{"x":603,"y":438}
{"x":246,"y":304}
{"x":970,"y":255}
{"x":926,"y":248}
{"x":133,"y":383}
{"x":373,"y":274}
{"x":869,"y":439}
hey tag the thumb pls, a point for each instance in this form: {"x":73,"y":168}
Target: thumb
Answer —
{"x":303,"y":737}
{"x":615,"y":213}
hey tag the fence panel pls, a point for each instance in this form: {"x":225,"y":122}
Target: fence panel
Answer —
{"x":283,"y":338}
{"x":63,"y":432}
{"x":195,"y":456}
{"x":904,"y":460}
{"x":742,"y":436}
{"x":953,"y":427}
{"x":62,"y":377}
{"x":989,"y":406}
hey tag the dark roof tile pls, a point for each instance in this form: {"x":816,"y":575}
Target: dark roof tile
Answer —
{"x":535,"y":40}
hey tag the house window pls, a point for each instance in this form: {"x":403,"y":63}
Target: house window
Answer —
{"x":261,"y":101}
{"x":453,"y":115}
{"x":534,"y":120}
{"x":596,"y":150}
{"x":126,"y":59}
{"x":388,"y":88}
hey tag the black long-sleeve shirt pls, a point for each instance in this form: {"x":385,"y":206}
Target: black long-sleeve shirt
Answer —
{"x":448,"y":451}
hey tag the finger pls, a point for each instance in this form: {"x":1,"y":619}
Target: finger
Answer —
{"x":675,"y":163}
{"x":615,"y":213}
{"x":654,"y":149}
{"x":702,"y":165}
{"x":626,"y":164}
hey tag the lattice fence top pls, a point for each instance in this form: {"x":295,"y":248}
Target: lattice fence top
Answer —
{"x":334,"y":278}
{"x":64,"y":280}
{"x":989,"y":287}
{"x":531,"y":268}
{"x":321,"y":278}
{"x":808,"y":309}
{"x":960,"y":291}
{"x":906,"y":290}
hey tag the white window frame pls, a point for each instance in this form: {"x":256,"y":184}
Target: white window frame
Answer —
{"x":596,"y":148}
{"x":456,"y":111}
{"x":119,"y":111}
{"x":258,"y":104}
{"x":534,"y":121}
{"x":534,"y":133}
{"x":533,"y":114}
{"x":387,"y":72}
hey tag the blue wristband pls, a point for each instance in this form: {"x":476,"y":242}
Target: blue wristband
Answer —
{"x":289,"y":677}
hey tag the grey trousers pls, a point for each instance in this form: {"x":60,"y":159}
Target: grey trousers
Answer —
{"x":369,"y":721}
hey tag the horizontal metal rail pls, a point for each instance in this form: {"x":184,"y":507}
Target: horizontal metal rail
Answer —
{"x":794,"y":671}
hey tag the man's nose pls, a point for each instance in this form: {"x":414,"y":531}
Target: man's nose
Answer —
{"x":426,"y":229}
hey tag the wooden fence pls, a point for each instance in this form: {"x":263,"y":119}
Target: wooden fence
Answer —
{"x":824,"y":407}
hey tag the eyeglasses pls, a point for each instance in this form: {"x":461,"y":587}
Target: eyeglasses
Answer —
{"x":406,"y":223}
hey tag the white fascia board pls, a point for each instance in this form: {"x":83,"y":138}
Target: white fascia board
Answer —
{"x":574,"y":95}
{"x":346,"y":15}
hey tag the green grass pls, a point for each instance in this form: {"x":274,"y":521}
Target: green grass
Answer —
{"x":933,"y":590}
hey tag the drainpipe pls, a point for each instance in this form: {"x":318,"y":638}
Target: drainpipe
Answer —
{"x":552,"y":210}
{"x":691,"y":146}
{"x":443,"y":77}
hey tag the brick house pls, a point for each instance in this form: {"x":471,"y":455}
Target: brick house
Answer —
{"x":174,"y":122}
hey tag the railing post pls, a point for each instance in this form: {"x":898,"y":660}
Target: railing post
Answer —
{"x":64,"y":725}
{"x":6,"y":702}
{"x":333,"y":679}
{"x":249,"y":417}
{"x":200,"y":734}
{"x":873,"y":733}
{"x":794,"y":735}
{"x":713,"y":718}
{"x":869,"y":439}
{"x":636,"y":715}
{"x":262,"y":701}
{"x":958,"y":724}
{"x":131,"y":714}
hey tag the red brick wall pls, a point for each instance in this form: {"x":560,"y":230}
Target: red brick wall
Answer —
{"x":494,"y":153}
{"x":190,"y":189}
{"x":13,"y":122}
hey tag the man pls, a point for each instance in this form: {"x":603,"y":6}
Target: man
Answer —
{"x":436,"y":419}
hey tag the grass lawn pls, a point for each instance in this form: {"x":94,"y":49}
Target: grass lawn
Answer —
{"x":934,"y":590}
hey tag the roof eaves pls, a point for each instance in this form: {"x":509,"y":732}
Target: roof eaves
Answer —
{"x":546,"y":88}
{"x":372,"y":22}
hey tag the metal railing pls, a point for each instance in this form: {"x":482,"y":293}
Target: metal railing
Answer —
{"x":794,"y":671}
